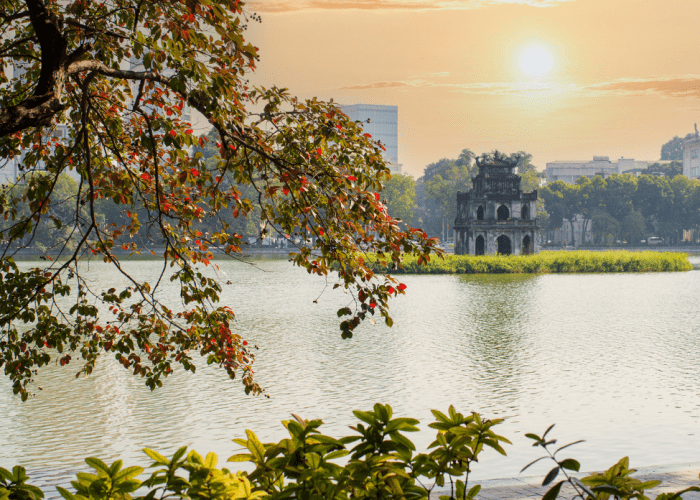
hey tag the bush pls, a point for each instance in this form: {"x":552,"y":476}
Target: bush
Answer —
{"x":619,"y":261}
{"x":381,"y":465}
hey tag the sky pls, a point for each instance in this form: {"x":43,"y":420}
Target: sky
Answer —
{"x":560,"y":79}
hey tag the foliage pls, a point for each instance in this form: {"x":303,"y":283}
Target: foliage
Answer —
{"x":292,"y":167}
{"x":379,"y":463}
{"x":634,"y":227}
{"x":667,"y":206}
{"x":673,"y":149}
{"x":399,"y":194}
{"x":547,"y":262}
{"x":670,"y":169}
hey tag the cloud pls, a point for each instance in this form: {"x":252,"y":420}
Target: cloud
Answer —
{"x":495,"y":88}
{"x":687,"y":86}
{"x":282,"y":6}
{"x":670,"y":86}
{"x":377,"y":85}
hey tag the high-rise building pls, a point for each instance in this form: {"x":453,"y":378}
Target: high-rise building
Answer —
{"x":382,"y":123}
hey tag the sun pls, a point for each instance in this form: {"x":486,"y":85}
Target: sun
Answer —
{"x":536,"y":61}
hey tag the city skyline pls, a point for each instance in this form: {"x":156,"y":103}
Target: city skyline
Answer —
{"x":563,"y":80}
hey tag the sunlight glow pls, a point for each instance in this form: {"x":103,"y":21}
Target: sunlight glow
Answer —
{"x":536,"y":61}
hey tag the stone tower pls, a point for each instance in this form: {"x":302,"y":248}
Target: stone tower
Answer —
{"x":496,"y":216}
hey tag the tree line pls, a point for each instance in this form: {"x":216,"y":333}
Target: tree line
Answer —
{"x":623,"y":207}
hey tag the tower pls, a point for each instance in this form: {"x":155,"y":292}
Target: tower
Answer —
{"x":496,"y":216}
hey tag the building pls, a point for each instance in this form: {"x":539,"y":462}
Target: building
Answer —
{"x":691,"y":156}
{"x":496,"y":216}
{"x":382,"y":123}
{"x":569,"y":171}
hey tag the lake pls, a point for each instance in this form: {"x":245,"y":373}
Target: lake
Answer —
{"x":610,"y":358}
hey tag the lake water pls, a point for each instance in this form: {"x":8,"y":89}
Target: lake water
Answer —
{"x":612,"y":359}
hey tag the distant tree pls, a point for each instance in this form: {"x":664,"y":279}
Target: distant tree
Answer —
{"x":524,"y":162}
{"x":399,"y":194}
{"x":553,"y":199}
{"x":604,"y":225}
{"x":669,"y":170}
{"x":563,"y":201}
{"x":673,"y":149}
{"x":633,"y":228}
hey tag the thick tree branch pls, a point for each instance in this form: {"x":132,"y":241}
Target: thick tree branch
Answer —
{"x":8,"y":18}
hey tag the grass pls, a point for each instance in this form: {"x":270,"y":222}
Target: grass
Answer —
{"x":617,"y":261}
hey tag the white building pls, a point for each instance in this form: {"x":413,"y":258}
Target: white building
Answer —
{"x":383,"y":126}
{"x":691,"y":156}
{"x":569,"y":171}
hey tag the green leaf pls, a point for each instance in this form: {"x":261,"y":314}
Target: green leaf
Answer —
{"x":336,"y":454}
{"x":553,"y":492}
{"x":211,"y":460}
{"x":126,"y":474}
{"x":155,"y":456}
{"x":474,"y":491}
{"x":570,"y":464}
{"x":608,"y":488}
{"x":551,"y":476}
{"x":366,"y":416}
{"x":241,"y":457}
{"x":98,"y":465}
{"x":65,"y":493}
{"x":255,"y":446}
{"x":178,"y":454}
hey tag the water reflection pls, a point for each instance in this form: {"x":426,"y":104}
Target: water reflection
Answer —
{"x":495,"y":311}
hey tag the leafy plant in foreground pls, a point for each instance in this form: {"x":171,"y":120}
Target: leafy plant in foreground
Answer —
{"x":377,"y":462}
{"x":615,"y":482}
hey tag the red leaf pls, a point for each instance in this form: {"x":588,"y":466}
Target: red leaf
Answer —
{"x":390,"y":289}
{"x":339,"y":126}
{"x":194,"y":172}
{"x":173,"y":133}
{"x":145,"y":176}
{"x":245,"y":342}
{"x":189,"y":131}
{"x":373,"y":305}
{"x":351,"y":178}
{"x":376,"y":196}
{"x":285,"y":190}
{"x":318,"y":151}
{"x":402,"y":286}
{"x":368,"y":135}
{"x":321,"y":231}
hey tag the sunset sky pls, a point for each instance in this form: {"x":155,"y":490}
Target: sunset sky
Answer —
{"x":623,"y":77}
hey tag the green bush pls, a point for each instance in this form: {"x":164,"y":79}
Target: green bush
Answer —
{"x":619,"y":261}
{"x":382,"y":464}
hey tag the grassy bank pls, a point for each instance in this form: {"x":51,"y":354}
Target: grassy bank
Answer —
{"x":583,"y":261}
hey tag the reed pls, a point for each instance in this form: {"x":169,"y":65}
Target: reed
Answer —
{"x":617,"y":261}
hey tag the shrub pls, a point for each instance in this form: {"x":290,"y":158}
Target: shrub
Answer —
{"x":619,"y":261}
{"x":380,"y":465}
